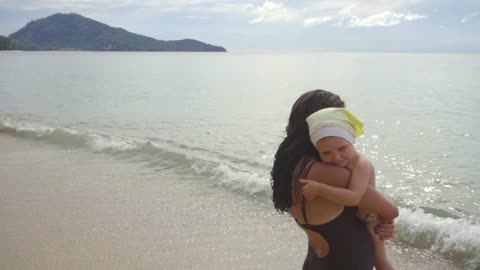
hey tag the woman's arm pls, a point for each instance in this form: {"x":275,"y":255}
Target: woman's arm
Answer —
{"x":349,"y":197}
{"x":372,"y":200}
{"x":328,"y":174}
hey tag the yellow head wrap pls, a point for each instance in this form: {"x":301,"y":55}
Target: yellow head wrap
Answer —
{"x":337,"y":122}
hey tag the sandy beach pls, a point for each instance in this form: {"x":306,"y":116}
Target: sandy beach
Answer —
{"x":71,"y":209}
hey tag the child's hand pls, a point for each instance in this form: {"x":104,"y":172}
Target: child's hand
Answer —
{"x":371,"y":225}
{"x":310,"y":189}
{"x":385,"y":229}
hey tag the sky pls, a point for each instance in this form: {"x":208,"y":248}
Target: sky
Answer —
{"x":431,"y":26}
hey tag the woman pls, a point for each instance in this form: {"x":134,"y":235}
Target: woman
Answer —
{"x":337,"y":239}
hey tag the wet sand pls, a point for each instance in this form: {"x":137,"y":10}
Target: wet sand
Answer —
{"x":70,"y":209}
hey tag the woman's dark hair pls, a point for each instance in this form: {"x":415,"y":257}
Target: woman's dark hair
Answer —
{"x":296,"y":146}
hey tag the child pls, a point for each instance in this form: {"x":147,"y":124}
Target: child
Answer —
{"x":333,"y":132}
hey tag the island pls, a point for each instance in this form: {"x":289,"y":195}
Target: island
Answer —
{"x":75,"y":32}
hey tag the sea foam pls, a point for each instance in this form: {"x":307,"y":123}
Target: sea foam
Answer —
{"x":456,"y":239}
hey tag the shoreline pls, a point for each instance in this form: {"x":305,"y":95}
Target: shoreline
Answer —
{"x":70,"y":209}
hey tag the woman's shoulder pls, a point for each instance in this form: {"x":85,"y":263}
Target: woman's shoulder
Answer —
{"x":305,"y":162}
{"x":319,"y":171}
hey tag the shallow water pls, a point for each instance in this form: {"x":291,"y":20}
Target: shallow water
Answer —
{"x":70,"y":208}
{"x":220,"y":117}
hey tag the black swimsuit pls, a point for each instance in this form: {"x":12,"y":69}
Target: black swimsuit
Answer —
{"x":351,"y":246}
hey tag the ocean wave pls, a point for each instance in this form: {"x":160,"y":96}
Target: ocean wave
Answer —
{"x":67,"y":137}
{"x":456,"y":239}
{"x":242,"y":181}
{"x":158,"y":154}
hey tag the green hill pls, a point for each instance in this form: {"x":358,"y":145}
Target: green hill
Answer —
{"x":75,"y":32}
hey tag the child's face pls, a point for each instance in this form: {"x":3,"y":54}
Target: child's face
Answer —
{"x":335,"y":151}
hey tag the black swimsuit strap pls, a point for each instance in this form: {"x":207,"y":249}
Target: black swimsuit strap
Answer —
{"x":308,"y":166}
{"x":303,"y":211}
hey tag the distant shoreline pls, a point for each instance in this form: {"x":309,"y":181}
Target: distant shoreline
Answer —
{"x":264,"y":52}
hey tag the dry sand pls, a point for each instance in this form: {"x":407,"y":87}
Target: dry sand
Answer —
{"x":70,"y":209}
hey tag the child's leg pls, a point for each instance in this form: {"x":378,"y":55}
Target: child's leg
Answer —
{"x":381,"y":259}
{"x":363,"y":214}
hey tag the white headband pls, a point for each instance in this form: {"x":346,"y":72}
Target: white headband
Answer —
{"x":329,"y":131}
{"x":336,"y":122}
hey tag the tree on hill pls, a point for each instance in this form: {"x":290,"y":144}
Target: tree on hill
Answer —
{"x":6,"y":44}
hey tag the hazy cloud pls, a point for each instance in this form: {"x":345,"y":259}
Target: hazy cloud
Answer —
{"x":362,"y":8}
{"x":350,"y":13}
{"x":272,"y":12}
{"x":347,"y":13}
{"x":309,"y":22}
{"x":386,"y":18}
{"x":349,"y":16}
{"x":159,"y":5}
{"x":470,"y":17}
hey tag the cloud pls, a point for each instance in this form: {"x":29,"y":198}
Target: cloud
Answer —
{"x":31,"y":5}
{"x":272,"y":12}
{"x":349,"y":16}
{"x":257,"y":20}
{"x":362,"y":8}
{"x":309,"y":13}
{"x":355,"y":14}
{"x":156,"y":5}
{"x":61,"y":4}
{"x":386,"y":18}
{"x":309,"y":22}
{"x":469,"y":17}
{"x":347,"y":10}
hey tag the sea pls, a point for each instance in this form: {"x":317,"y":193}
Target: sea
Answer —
{"x":219,"y":118}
